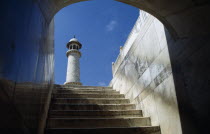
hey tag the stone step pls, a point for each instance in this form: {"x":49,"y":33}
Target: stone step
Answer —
{"x":119,"y":130}
{"x":97,"y":122}
{"x":95,"y":113}
{"x":80,"y":87}
{"x":91,"y":101}
{"x":63,"y":106}
{"x":79,"y":91}
{"x":87,"y":95}
{"x":79,"y":117}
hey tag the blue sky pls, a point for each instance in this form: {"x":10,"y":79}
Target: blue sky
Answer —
{"x":101,"y":30}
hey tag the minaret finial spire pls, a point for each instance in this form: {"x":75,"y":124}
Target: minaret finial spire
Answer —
{"x":74,"y":36}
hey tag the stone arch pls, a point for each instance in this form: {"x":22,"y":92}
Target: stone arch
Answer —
{"x":181,"y":18}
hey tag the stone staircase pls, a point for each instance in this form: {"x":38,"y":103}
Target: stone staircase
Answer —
{"x":95,"y":110}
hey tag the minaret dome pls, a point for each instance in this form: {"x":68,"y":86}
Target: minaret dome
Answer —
{"x":74,"y":43}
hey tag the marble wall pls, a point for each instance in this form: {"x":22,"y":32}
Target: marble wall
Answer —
{"x":143,"y":73}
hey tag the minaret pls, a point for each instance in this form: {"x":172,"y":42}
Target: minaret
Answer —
{"x":73,"y":66}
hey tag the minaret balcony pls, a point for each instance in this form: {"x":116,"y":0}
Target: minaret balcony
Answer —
{"x":73,"y":51}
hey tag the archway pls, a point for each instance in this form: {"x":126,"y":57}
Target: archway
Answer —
{"x":187,"y":22}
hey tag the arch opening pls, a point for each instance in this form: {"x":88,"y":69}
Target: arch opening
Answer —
{"x":132,"y":71}
{"x":186,"y":22}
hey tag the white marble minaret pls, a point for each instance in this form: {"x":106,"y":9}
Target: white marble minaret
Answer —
{"x":73,"y":66}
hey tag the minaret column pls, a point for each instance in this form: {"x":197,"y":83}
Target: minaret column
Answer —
{"x":73,"y":65}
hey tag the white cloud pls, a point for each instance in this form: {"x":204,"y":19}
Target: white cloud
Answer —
{"x":101,"y":83}
{"x":112,"y":24}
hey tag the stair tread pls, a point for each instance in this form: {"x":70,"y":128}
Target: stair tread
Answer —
{"x":99,"y":110}
{"x":92,"y":93}
{"x":79,"y":104}
{"x":98,"y":122}
{"x":95,"y":117}
{"x":57,"y":86}
{"x":93,"y":90}
{"x":67,"y":106}
{"x":93,"y":98}
{"x":105,"y":130}
{"x":111,"y":127}
{"x":87,"y":90}
{"x":91,"y":118}
{"x":82,"y":88}
{"x":91,"y":101}
{"x":87,"y":95}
